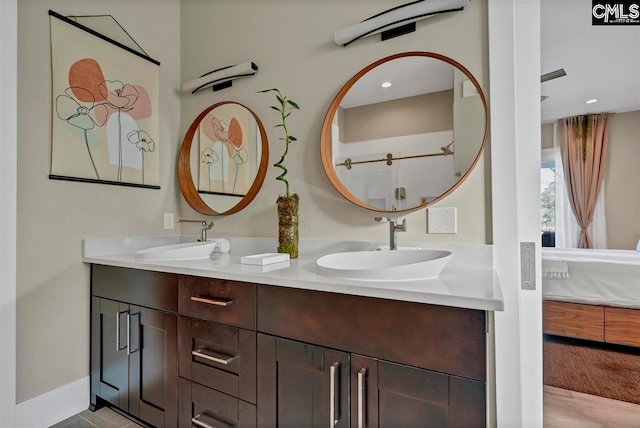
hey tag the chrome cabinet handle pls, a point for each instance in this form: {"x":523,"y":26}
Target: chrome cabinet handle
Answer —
{"x":361,"y":397}
{"x":216,"y":357}
{"x":197,"y":422}
{"x":212,"y":301}
{"x":129,"y":316}
{"x":118,"y":348}
{"x":333,"y":395}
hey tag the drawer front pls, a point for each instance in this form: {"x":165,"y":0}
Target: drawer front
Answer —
{"x":226,"y":302}
{"x":573,"y":320}
{"x":204,"y":407}
{"x":622,"y":326}
{"x":438,"y":338}
{"x":155,"y":290}
{"x":218,"y":356}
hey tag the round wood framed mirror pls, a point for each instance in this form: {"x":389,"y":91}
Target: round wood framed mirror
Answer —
{"x":404,"y":132}
{"x":223,"y":159}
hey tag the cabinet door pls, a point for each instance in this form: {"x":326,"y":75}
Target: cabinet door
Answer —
{"x":301,"y":385}
{"x":153,"y":366}
{"x":386,"y":394}
{"x":109,"y":361}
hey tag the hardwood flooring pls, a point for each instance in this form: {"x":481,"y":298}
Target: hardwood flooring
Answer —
{"x":570,"y":409}
{"x":103,"y":418}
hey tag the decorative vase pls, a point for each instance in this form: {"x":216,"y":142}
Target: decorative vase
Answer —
{"x":288,"y":224}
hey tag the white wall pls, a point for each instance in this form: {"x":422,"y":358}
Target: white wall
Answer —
{"x":622,"y":181}
{"x":8,"y":78}
{"x":292,"y":43}
{"x":54,"y":216}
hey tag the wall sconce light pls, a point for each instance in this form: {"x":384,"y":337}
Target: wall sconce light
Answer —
{"x":220,"y":78}
{"x":397,"y":21}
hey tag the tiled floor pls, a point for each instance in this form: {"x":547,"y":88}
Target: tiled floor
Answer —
{"x":103,"y":418}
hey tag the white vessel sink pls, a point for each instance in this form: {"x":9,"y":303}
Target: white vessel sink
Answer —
{"x":385,"y":265}
{"x":187,"y":251}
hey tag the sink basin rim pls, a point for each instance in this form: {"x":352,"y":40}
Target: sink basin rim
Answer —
{"x":385,"y":265}
{"x":182,"y":251}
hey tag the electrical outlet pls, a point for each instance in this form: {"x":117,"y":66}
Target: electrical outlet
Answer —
{"x":169,"y":222}
{"x":442,"y":220}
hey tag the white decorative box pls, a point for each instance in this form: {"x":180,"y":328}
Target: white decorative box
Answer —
{"x":264,"y":259}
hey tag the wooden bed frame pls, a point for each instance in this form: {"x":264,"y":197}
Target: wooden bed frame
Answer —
{"x":592,"y":322}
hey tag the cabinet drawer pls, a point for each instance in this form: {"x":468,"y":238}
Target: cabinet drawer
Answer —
{"x":204,"y":407}
{"x":226,"y":302}
{"x":218,"y":356}
{"x":439,"y":338}
{"x":573,"y":320}
{"x":153,"y":290}
{"x":622,"y":326}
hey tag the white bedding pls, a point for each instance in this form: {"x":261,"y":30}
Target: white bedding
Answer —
{"x":608,"y":277}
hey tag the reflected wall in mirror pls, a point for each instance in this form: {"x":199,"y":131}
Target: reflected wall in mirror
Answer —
{"x":404,"y":132}
{"x":223,"y":159}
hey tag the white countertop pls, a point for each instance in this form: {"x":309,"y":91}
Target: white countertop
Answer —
{"x":468,"y":281}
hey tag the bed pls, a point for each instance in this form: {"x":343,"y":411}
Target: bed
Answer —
{"x":592,"y":294}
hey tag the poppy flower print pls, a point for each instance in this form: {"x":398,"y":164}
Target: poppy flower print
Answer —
{"x":105,"y":114}
{"x":227,"y":150}
{"x":92,"y":101}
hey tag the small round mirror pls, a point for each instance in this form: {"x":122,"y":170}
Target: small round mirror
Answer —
{"x":404,"y":132}
{"x":223,"y":159}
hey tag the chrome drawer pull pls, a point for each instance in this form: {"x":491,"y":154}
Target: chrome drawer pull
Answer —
{"x":216,"y":357}
{"x":197,"y":422}
{"x":212,"y":301}
{"x":332,"y":396}
{"x":361,"y":375}
{"x":118,"y":348}
{"x":129,"y":316}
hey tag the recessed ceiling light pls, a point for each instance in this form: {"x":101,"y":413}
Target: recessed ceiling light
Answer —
{"x":386,"y":84}
{"x":592,"y":100}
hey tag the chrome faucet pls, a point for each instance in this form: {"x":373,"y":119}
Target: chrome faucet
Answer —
{"x":394,"y":228}
{"x":205,"y":225}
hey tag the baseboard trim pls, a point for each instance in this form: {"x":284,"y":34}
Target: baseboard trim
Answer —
{"x":54,"y":406}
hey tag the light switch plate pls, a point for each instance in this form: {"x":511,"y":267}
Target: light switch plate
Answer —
{"x":442,"y":220}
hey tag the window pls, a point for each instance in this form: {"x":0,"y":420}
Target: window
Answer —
{"x":548,"y":202}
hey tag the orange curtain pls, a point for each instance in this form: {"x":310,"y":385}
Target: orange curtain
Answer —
{"x":583,"y":145}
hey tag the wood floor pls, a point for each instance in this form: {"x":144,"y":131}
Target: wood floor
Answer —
{"x":103,"y":418}
{"x":569,"y":409}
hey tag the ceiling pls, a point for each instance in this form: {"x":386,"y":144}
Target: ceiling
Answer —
{"x":601,"y":62}
{"x":409,"y":76}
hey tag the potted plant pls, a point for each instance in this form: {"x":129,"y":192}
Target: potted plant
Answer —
{"x":287,"y":204}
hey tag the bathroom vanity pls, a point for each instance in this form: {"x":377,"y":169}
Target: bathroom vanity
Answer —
{"x":200,"y":343}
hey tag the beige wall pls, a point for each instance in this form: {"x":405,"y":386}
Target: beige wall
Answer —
{"x":407,"y":116}
{"x":622,"y":181}
{"x":54,"y":216}
{"x":292,"y":43}
{"x":547,"y":136}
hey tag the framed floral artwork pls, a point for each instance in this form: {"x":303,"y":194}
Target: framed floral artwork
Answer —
{"x":229,"y":150}
{"x":105,"y":125}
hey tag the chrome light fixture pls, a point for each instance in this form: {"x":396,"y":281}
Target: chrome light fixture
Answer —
{"x":397,"y":21}
{"x":220,"y":78}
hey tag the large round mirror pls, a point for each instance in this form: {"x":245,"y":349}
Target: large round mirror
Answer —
{"x":223,"y":159}
{"x":404,"y":132}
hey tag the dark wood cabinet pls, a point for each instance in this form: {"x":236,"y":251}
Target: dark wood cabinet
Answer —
{"x":389,"y":394}
{"x":216,"y":353}
{"x":109,"y":359}
{"x":301,"y":385}
{"x":153,"y":367}
{"x":134,"y":355}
